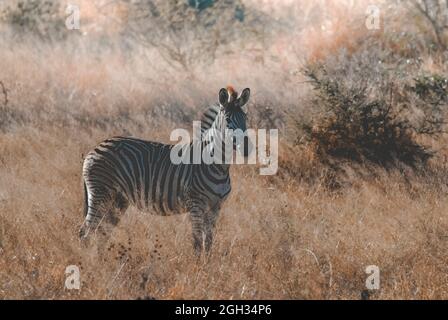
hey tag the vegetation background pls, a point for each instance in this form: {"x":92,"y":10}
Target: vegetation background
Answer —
{"x":363,"y":161}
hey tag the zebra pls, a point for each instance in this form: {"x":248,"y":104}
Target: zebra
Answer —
{"x":124,"y":171}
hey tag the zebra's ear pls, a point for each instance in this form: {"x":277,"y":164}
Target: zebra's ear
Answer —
{"x":244,"y":97}
{"x":223,"y":97}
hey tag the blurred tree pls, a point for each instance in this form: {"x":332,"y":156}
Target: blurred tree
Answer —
{"x":188,"y":32}
{"x":204,"y":4}
{"x":201,"y":4}
{"x":239,"y":13}
{"x":436,"y":13}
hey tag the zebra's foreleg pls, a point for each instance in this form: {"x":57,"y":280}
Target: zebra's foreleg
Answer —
{"x":209,"y":227}
{"x":197,"y":225}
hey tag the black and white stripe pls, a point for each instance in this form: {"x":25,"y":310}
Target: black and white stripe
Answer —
{"x":124,"y":171}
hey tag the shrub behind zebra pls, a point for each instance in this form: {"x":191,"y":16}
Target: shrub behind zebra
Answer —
{"x":124,"y":171}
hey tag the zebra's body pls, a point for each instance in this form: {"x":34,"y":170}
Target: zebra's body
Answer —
{"x":134,"y":168}
{"x":123,"y":171}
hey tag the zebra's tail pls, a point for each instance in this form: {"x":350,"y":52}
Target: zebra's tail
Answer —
{"x":86,"y":204}
{"x":83,"y":231}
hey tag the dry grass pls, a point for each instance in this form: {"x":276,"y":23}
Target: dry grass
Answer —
{"x":281,"y":237}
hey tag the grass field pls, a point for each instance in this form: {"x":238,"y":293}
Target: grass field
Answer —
{"x":287,"y":236}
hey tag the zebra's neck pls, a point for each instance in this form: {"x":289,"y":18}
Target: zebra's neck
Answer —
{"x":209,"y":117}
{"x":213,"y":139}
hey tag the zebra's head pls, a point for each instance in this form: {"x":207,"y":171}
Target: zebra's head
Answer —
{"x":233,"y":109}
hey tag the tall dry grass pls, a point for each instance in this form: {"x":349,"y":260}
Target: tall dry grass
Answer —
{"x":283,"y":237}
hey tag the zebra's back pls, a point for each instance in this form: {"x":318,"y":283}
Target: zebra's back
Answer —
{"x":139,"y":170}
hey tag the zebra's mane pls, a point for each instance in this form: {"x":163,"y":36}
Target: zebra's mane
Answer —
{"x":208,"y":117}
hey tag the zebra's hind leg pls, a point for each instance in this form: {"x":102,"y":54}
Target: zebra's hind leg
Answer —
{"x":120,"y":205}
{"x":97,"y":202}
{"x":103,"y":213}
{"x":103,"y":240}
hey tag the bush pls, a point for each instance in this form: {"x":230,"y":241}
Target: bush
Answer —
{"x":370,"y":115}
{"x":432,"y":89}
{"x":41,"y":18}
